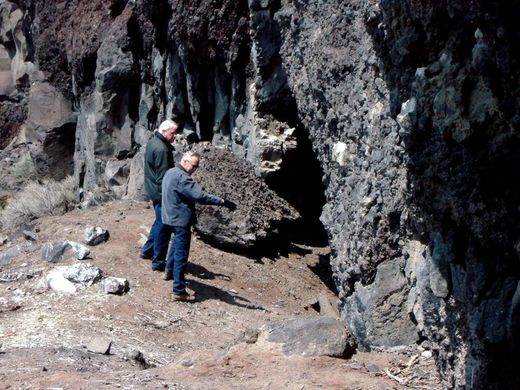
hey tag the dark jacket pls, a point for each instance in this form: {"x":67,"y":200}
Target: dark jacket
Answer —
{"x":180,"y":192}
{"x":158,"y":158}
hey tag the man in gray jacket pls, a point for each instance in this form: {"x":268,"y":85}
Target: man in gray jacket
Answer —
{"x":180,"y":192}
{"x":158,"y":158}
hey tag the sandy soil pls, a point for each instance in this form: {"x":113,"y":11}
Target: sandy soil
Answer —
{"x":158,"y":343}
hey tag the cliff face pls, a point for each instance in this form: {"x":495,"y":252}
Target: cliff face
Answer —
{"x":413,"y":111}
{"x":401,"y":117}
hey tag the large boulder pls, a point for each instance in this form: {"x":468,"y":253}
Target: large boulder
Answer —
{"x":316,"y":336}
{"x":261,"y":215}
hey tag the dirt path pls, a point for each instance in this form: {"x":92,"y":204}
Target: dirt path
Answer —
{"x":157,"y":343}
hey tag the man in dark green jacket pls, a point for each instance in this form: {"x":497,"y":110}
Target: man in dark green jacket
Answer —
{"x":158,"y":158}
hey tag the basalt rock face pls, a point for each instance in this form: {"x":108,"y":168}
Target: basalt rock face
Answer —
{"x":124,"y":66}
{"x":404,"y":115}
{"x":413,"y":111}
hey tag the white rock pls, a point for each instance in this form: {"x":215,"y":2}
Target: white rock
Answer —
{"x":426,"y":354}
{"x":57,"y":282}
{"x":340,"y":153}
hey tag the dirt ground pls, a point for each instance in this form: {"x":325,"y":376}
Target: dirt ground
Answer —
{"x":161,"y":344}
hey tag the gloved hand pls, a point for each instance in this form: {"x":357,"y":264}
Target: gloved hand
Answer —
{"x":230,"y":205}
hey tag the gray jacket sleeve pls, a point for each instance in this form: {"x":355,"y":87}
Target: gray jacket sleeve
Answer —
{"x":192,"y":190}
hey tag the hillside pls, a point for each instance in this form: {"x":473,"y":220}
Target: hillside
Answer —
{"x":156,"y":343}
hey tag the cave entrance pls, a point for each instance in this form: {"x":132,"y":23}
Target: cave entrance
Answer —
{"x":299,"y":182}
{"x":57,"y":161}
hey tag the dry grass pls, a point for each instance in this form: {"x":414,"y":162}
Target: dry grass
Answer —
{"x":36,"y":200}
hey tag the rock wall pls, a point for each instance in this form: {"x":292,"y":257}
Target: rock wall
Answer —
{"x":401,"y":117}
{"x":413,"y":111}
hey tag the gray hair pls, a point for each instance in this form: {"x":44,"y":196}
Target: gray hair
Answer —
{"x":188,"y":155}
{"x":166,"y":125}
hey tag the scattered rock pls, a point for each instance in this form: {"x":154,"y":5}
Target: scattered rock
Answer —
{"x":373,"y":368}
{"x":249,"y":336}
{"x":427,"y":354}
{"x":113,"y":285}
{"x":29,"y":235}
{"x":99,"y":345}
{"x":9,"y":254}
{"x":138,"y":357}
{"x":57,"y":282}
{"x":316,"y":336}
{"x":187,"y":363}
{"x":56,"y":251}
{"x":13,"y":276}
{"x":81,"y":272}
{"x":95,"y":235}
{"x":81,"y":251}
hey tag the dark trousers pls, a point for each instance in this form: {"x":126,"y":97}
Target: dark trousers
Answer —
{"x":178,"y":257}
{"x":159,"y":237}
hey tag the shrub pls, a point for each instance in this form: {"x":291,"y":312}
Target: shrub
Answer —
{"x":36,"y":200}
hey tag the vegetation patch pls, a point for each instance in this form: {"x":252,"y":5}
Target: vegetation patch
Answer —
{"x":37,"y":200}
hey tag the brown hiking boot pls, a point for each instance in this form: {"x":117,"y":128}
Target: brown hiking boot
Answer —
{"x":167,"y":275}
{"x":184,"y":298}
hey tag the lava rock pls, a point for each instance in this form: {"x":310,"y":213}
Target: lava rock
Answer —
{"x":81,"y":272}
{"x":99,"y":345}
{"x":316,"y":336}
{"x":113,"y":285}
{"x":54,"y":252}
{"x":260,"y":215}
{"x":7,"y":256}
{"x":95,"y":235}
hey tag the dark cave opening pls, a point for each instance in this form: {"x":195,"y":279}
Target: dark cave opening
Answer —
{"x":299,"y":182}
{"x":59,"y":153}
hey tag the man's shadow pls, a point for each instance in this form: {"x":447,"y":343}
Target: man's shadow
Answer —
{"x":205,"y":291}
{"x":203,"y":273}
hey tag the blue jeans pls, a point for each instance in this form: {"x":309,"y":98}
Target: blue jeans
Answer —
{"x":159,"y":236}
{"x":178,"y":257}
{"x":147,"y":248}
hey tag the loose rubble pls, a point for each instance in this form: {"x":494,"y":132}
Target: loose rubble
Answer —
{"x":57,"y":251}
{"x":95,"y":235}
{"x":112,"y":285}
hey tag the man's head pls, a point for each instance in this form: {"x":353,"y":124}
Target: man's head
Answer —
{"x":168,"y":129}
{"x":190,"y":161}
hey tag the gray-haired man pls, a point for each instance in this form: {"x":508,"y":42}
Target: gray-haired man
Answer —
{"x":158,"y":158}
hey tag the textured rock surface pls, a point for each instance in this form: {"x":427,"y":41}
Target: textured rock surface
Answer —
{"x":95,"y":235}
{"x":260,"y":213}
{"x":411,"y":109}
{"x":8,"y":254}
{"x":81,"y":272}
{"x":414,"y":117}
{"x":112,"y":285}
{"x":54,"y":252}
{"x":319,"y":336}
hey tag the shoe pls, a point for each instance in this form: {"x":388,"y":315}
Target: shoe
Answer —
{"x":145,"y":256}
{"x":167,"y":275}
{"x":184,"y":298}
{"x":158,"y":269}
